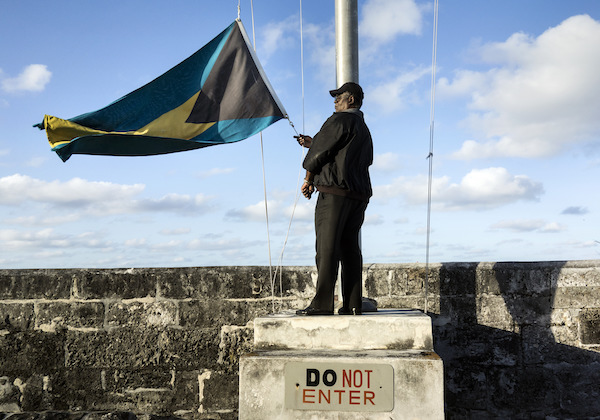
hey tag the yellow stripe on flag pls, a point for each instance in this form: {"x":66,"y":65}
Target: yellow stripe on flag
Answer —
{"x":171,"y":124}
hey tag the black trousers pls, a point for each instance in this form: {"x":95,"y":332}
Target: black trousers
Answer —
{"x":338,"y":221}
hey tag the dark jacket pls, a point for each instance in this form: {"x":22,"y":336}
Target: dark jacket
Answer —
{"x":340,"y":156}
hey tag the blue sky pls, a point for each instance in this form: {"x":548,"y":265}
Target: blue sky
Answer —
{"x":517,"y":134}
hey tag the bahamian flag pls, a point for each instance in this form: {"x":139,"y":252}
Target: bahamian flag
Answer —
{"x":218,"y":95}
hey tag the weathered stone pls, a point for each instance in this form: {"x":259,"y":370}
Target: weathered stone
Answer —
{"x":235,"y":341}
{"x":144,"y":314}
{"x":220,"y":392}
{"x":53,"y":315}
{"x":31,"y":352}
{"x":35,"y":284}
{"x":589,"y":326}
{"x":527,"y":330}
{"x":119,"y":284}
{"x":16,"y":316}
{"x":576,"y":297}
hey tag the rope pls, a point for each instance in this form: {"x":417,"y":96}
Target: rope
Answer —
{"x":273,"y":276}
{"x":262,"y":155}
{"x":430,"y":155}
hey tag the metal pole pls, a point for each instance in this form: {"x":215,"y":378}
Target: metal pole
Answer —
{"x":346,"y":41}
{"x":346,"y":59}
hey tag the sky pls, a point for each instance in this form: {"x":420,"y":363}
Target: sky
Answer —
{"x":516,"y":139}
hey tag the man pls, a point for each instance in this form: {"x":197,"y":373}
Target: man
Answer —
{"x":337,"y":165}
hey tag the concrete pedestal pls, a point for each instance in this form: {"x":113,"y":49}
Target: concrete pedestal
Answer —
{"x":380,"y":365}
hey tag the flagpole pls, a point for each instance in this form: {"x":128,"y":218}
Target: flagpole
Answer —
{"x":346,"y":41}
{"x":346,"y":60}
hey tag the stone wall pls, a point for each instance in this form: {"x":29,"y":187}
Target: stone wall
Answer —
{"x":518,"y":340}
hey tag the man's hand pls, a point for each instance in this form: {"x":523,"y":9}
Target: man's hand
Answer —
{"x":307,"y":189}
{"x":303,"y":140}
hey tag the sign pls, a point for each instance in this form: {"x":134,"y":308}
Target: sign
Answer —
{"x":339,"y":386}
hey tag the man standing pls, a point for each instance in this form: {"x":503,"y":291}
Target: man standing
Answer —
{"x":337,"y":165}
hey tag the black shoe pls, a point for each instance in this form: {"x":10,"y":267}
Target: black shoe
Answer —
{"x":312,"y":311}
{"x":354,"y":311}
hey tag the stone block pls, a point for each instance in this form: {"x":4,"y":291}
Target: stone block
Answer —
{"x":141,"y":348}
{"x":117,"y":284}
{"x":53,"y":315}
{"x":16,"y":317}
{"x":576,"y":297}
{"x":217,"y":312}
{"x":492,"y":312}
{"x":35,"y":284}
{"x":31,"y":352}
{"x":227,"y":282}
{"x":144,"y":314}
{"x":378,"y":282}
{"x":457,"y":279}
{"x":220,"y":393}
{"x":589,"y":326}
{"x":579,"y":274}
{"x":235,"y":341}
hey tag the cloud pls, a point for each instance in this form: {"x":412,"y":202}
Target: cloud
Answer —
{"x":384,"y":20}
{"x":48,"y":239}
{"x":374,"y":219}
{"x":400,"y":92}
{"x":540,"y":97}
{"x":279,"y":210}
{"x":480,"y":189}
{"x":33,"y":78}
{"x":173,"y":232}
{"x":575,"y":210}
{"x":278,"y":35}
{"x":97,"y":198}
{"x":529,"y":226}
{"x":215,"y":172}
{"x":386,"y":162}
{"x":319,"y":47}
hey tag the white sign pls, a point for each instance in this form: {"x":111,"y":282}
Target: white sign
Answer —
{"x":339,"y":386}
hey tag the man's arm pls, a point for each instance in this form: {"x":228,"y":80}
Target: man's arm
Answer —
{"x":304,"y":140}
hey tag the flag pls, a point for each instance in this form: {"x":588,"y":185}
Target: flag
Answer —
{"x":218,"y":95}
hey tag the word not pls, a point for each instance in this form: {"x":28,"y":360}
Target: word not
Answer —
{"x":339,"y":386}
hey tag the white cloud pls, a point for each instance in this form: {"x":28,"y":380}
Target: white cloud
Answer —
{"x":278,"y":35}
{"x":374,"y":219}
{"x":399,"y":92}
{"x":36,"y":161}
{"x":386,"y":162}
{"x":279,"y":210}
{"x":384,"y":20}
{"x":542,"y":97}
{"x":480,"y":189}
{"x":215,"y":172}
{"x":33,"y":78}
{"x":45,"y":239}
{"x":17,"y":189}
{"x":320,"y":49}
{"x":529,"y":225}
{"x":97,"y":198}
{"x":173,"y":232}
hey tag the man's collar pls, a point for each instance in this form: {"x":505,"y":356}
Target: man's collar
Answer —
{"x":353,"y":111}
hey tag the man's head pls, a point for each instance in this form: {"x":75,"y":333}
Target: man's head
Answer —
{"x":349,"y":95}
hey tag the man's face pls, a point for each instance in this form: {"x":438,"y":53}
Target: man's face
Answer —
{"x":343,"y":101}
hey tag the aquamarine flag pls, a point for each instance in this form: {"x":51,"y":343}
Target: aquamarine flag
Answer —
{"x":218,"y":95}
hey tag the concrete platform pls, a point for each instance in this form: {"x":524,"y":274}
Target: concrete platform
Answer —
{"x":397,"y":329}
{"x":352,"y":385}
